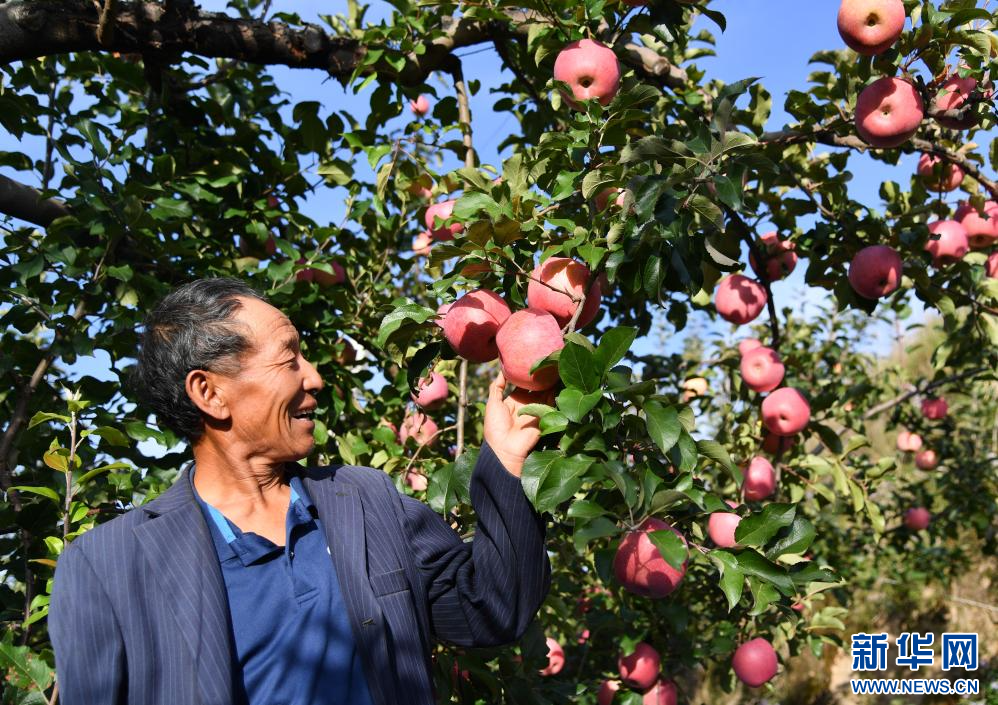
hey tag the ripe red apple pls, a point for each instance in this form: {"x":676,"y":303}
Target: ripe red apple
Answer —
{"x":952,"y":96}
{"x":991,"y":266}
{"x":952,"y":244}
{"x":748,"y":344}
{"x":431,"y":392}
{"x":421,"y":243}
{"x":755,"y":662}
{"x":888,"y":112}
{"x":420,"y":427}
{"x":927,"y":459}
{"x":937,"y":174}
{"x":760,"y":479}
{"x":583,"y":637}
{"x":524,"y":339}
{"x":591,"y":70}
{"x":762,"y":369}
{"x":875,"y":271}
{"x":606,"y":692}
{"x":909,"y":442}
{"x":934,"y":408}
{"x":870,"y":27}
{"x":602,"y":199}
{"x":773,"y":444}
{"x":472,"y":322}
{"x":662,"y":693}
{"x":555,"y":282}
{"x":917,"y":518}
{"x":442,"y":310}
{"x":420,"y":106}
{"x":639,"y":669}
{"x":785,"y":412}
{"x":320,"y":277}
{"x":739,"y":299}
{"x":441,"y":211}
{"x":721,"y":527}
{"x":556,"y":658}
{"x":694,"y":387}
{"x":982,"y":231}
{"x":778,"y":257}
{"x":639,"y":566}
{"x":416,"y":481}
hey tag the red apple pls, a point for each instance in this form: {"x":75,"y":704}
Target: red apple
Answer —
{"x":421,"y":243}
{"x":739,"y":299}
{"x":917,"y":518}
{"x":909,"y":442}
{"x":639,"y":566}
{"x":472,"y":323}
{"x":982,"y":231}
{"x":420,"y":427}
{"x":875,"y":271}
{"x":555,"y":282}
{"x":991,"y":266}
{"x":584,"y":636}
{"x":603,"y":197}
{"x":934,"y":408}
{"x":437,"y":213}
{"x":338,"y":275}
{"x":952,"y":96}
{"x":778,"y":257}
{"x":606,"y":692}
{"x":442,"y":310}
{"x":762,"y":369}
{"x":639,"y":669}
{"x":773,"y":444}
{"x":416,"y":481}
{"x":590,"y":69}
{"x":721,"y":527}
{"x":694,"y":387}
{"x":927,"y":459}
{"x":748,"y":344}
{"x":870,"y":27}
{"x":937,"y":174}
{"x":662,"y":693}
{"x":952,"y":244}
{"x":431,"y":392}
{"x":888,"y":112}
{"x":527,"y":337}
{"x":420,"y":106}
{"x":785,"y":412}
{"x":556,"y":658}
{"x":755,"y":662}
{"x":760,"y":480}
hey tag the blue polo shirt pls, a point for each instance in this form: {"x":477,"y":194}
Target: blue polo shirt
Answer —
{"x":290,"y":630}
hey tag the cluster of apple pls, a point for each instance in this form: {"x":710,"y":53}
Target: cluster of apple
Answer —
{"x":933,"y":409}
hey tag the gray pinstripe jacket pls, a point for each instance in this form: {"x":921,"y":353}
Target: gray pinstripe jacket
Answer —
{"x":139,"y":613}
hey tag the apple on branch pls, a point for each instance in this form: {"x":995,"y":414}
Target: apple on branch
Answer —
{"x":982,"y":229}
{"x":755,"y":662}
{"x":951,"y":245}
{"x":760,"y":480}
{"x":917,"y":518}
{"x":738,"y":299}
{"x":556,"y":286}
{"x":591,"y":70}
{"x":870,"y":27}
{"x":639,"y":566}
{"x":888,"y":112}
{"x":785,"y":411}
{"x":875,"y":271}
{"x":640,"y":668}
{"x":420,"y":106}
{"x":431,"y":392}
{"x":472,"y":323}
{"x":939,"y":175}
{"x":524,"y":339}
{"x":762,"y":369}
{"x":721,"y":527}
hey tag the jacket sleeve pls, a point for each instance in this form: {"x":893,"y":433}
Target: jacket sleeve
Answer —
{"x":484,"y":592}
{"x":89,"y":652}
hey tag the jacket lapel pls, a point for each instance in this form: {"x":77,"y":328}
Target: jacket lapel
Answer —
{"x":182,"y":558}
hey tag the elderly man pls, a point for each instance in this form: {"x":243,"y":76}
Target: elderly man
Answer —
{"x":256,"y":580}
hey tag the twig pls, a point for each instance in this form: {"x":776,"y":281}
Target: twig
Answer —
{"x":915,"y":390}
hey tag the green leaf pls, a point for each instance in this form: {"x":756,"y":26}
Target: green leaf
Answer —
{"x":537,"y":410}
{"x":23,"y":669}
{"x":171,"y":209}
{"x":441,"y":492}
{"x":113,"y":436}
{"x":43,"y":491}
{"x":43,"y":416}
{"x":549,"y":478}
{"x":684,"y":454}
{"x":663,"y":424}
{"x":708,"y":210}
{"x":585,"y":509}
{"x":719,"y":454}
{"x":732,"y":577}
{"x":585,"y":532}
{"x":470,"y":206}
{"x":797,"y":540}
{"x":92,"y":132}
{"x":575,"y":405}
{"x":757,"y":529}
{"x":394,"y":320}
{"x":753,"y":563}
{"x":102,"y":469}
{"x":764,"y":595}
{"x":577,"y":368}
{"x":672,"y":547}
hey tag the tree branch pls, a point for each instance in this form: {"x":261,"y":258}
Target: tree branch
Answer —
{"x":26,"y":203}
{"x":915,"y":390}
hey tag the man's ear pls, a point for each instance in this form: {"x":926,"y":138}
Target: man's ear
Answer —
{"x":204,"y":390}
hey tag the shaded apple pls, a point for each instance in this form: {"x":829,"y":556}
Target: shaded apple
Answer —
{"x":785,"y":411}
{"x":607,"y":690}
{"x":694,"y":387}
{"x":739,"y":299}
{"x":748,"y":344}
{"x":639,"y":669}
{"x":639,"y":566}
{"x":420,"y":106}
{"x":602,"y":199}
{"x":416,"y":481}
{"x":888,"y":112}
{"x":421,"y":243}
{"x":420,"y":428}
{"x":442,"y":310}
{"x":953,"y":95}
{"x":950,"y":246}
{"x":436,"y":214}
{"x":472,"y":324}
{"x":773,"y":443}
{"x":755,"y":662}
{"x":908,"y":441}
{"x":760,"y":480}
{"x":762,"y":369}
{"x":982,"y":230}
{"x":870,"y":27}
{"x":431,"y":392}
{"x":934,"y":408}
{"x":526,"y":338}
{"x":556,"y":658}
{"x":875,"y":271}
{"x":927,"y":459}
{"x":664,"y":692}
{"x":556,"y":281}
{"x":778,"y":257}
{"x":938,"y":174}
{"x":721,"y":527}
{"x":917,"y":518}
{"x":591,"y":70}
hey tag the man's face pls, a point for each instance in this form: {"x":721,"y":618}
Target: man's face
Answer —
{"x":276,"y":384}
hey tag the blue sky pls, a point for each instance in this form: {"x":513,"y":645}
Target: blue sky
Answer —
{"x":772,"y":39}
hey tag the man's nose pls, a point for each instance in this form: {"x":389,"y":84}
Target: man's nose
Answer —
{"x":312,"y":379}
